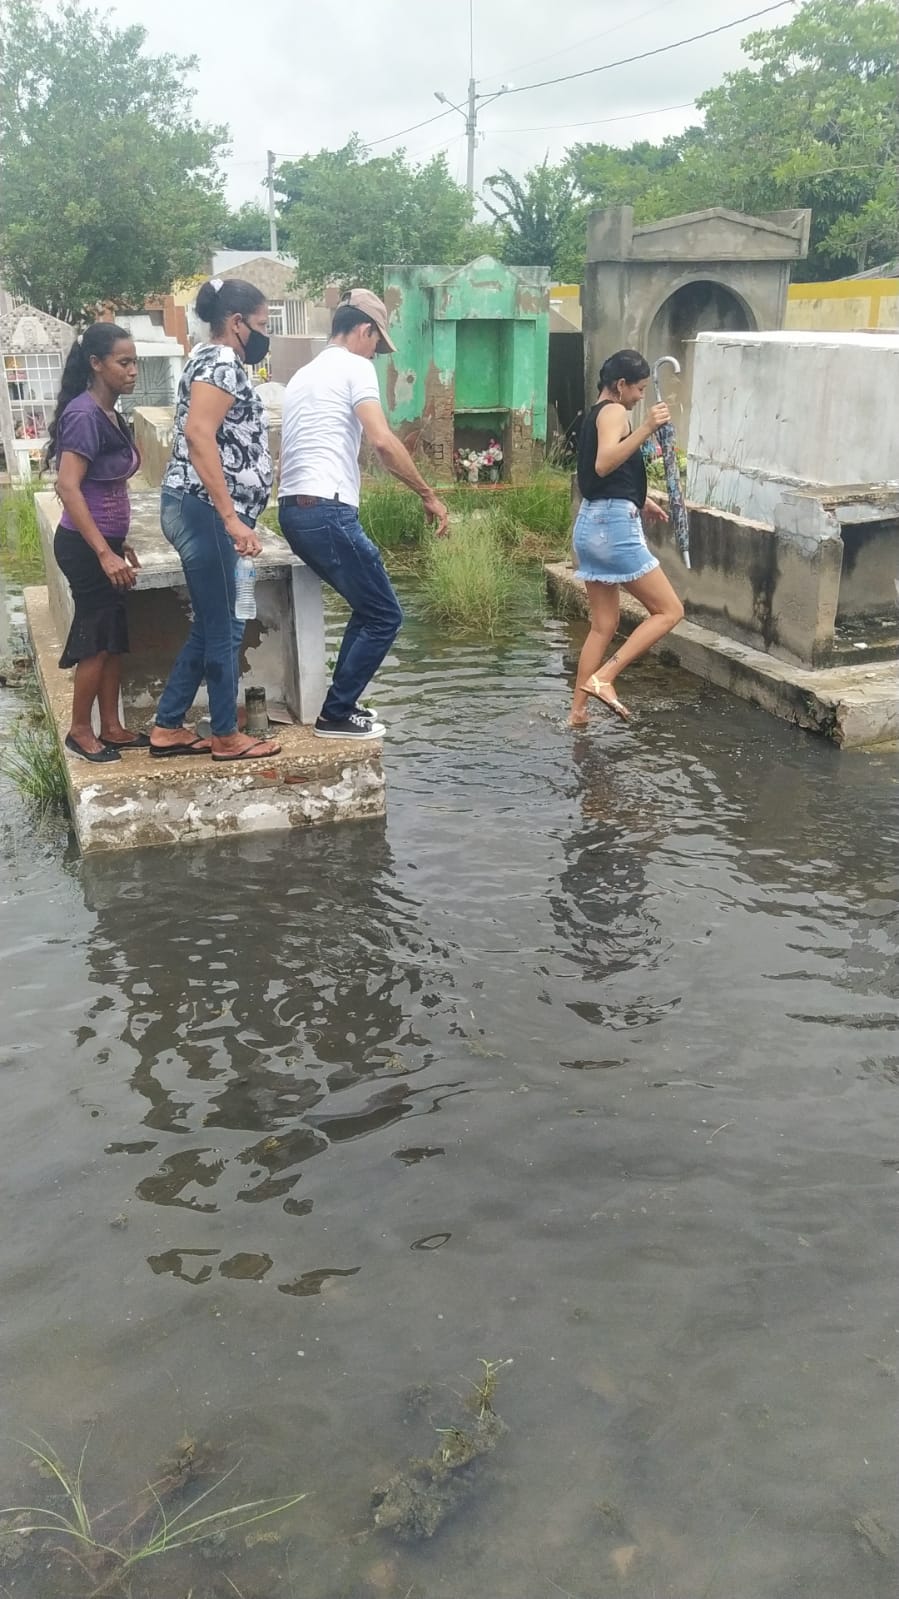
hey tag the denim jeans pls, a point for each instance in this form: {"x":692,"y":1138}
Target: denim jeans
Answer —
{"x":329,"y":538}
{"x":212,"y":651}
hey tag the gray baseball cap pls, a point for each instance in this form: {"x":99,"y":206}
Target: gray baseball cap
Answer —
{"x":368,"y":303}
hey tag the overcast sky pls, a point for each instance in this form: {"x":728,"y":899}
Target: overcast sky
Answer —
{"x":286,"y":78}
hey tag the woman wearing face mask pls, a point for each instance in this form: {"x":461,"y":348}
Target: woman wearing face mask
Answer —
{"x":216,"y":486}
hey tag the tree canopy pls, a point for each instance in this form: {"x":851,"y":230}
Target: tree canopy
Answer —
{"x":540,"y":219}
{"x":812,"y":122}
{"x":109,"y":189}
{"x":345,"y":215}
{"x":247,"y":228}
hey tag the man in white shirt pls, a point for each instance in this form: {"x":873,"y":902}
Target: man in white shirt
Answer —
{"x":328,"y":406}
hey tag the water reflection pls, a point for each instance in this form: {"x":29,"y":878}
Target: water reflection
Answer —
{"x":642,"y":985}
{"x":250,"y":1027}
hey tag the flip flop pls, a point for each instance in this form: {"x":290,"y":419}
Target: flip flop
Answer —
{"x":247,"y":753}
{"x":97,"y":757}
{"x":168,"y":752}
{"x":593,"y":686}
{"x":141,"y":741}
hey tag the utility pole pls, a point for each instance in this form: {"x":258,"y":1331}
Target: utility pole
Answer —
{"x":272,"y":219}
{"x":475,"y":102}
{"x":471,"y":128}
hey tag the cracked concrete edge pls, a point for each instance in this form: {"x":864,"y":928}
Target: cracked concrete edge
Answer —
{"x":855,"y":706}
{"x":138,"y":802}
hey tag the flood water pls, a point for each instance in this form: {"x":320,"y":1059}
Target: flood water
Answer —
{"x":587,"y":1059}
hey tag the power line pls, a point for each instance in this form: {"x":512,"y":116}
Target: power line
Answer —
{"x":595,"y":122}
{"x":370,"y":143}
{"x":645,"y":55}
{"x":591,"y":38}
{"x":590,"y":71}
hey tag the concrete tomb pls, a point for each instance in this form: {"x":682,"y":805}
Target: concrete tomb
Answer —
{"x":139,"y":800}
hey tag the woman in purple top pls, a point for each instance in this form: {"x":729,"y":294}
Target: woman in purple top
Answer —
{"x":95,"y":457}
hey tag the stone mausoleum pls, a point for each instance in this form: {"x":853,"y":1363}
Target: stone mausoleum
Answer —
{"x":656,"y":287}
{"x":471,"y":361}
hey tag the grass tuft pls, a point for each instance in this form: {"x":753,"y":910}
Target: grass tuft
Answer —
{"x":390,"y":515}
{"x":110,"y":1560}
{"x":32,"y":760}
{"x":542,"y":505}
{"x":20,"y":539}
{"x":469,"y":581}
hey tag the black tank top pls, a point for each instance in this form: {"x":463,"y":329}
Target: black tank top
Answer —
{"x":627,"y":482}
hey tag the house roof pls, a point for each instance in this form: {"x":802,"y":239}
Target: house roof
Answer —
{"x":25,"y":330}
{"x":889,"y":269}
{"x":227,"y":260}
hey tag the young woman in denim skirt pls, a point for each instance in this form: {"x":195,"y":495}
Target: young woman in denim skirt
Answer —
{"x":215,"y":488}
{"x":609,"y":546}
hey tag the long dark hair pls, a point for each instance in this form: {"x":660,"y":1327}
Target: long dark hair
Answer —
{"x":78,"y":374}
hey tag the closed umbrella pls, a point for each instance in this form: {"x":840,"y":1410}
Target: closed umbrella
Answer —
{"x":668,"y":446}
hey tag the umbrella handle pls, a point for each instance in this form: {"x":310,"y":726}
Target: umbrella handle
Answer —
{"x":664,"y":360}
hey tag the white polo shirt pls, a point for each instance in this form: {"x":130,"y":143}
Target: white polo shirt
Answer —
{"x":320,"y":431}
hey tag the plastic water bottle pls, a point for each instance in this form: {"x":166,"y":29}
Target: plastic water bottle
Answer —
{"x":245,"y":596}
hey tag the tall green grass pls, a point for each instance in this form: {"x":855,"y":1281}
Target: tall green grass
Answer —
{"x":469,"y":581}
{"x":31,"y":759}
{"x":390,"y":515}
{"x":20,"y":539}
{"x":543,"y":505}
{"x":540,"y":508}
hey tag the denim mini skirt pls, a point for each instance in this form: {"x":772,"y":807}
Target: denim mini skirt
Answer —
{"x":609,"y":546}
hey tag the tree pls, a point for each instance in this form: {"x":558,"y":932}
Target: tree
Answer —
{"x":109,"y":190}
{"x":247,"y":228}
{"x":541,"y":219}
{"x":812,"y":123}
{"x":346,"y":215}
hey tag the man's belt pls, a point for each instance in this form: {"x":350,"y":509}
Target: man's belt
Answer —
{"x":310,"y":499}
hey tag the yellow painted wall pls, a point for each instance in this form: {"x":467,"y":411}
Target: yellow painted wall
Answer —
{"x":566,"y":299}
{"x":846,"y":306}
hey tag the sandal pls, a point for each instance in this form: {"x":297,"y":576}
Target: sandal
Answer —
{"x":246,"y":754}
{"x":168,"y":752}
{"x":595,"y":685}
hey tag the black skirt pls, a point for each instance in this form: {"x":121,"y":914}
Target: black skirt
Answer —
{"x":100,"y":624}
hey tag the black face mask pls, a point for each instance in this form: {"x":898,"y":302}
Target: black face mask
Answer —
{"x":256,"y":347}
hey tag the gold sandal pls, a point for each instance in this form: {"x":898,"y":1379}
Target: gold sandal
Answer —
{"x":594,"y":686}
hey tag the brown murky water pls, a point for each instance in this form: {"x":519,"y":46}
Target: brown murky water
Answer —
{"x":587,"y":1059}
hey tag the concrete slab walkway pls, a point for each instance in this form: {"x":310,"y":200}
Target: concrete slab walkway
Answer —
{"x":138,"y":801}
{"x":855,"y":706}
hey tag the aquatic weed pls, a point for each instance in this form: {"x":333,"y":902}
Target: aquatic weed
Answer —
{"x":416,"y":1501}
{"x":109,"y":1560}
{"x":31,"y":758}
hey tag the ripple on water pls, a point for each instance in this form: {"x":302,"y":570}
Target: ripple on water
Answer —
{"x":641,"y":982}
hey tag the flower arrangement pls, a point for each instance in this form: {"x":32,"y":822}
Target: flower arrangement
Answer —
{"x":479,"y":466}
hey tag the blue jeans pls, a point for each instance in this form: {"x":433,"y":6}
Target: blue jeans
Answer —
{"x":212,"y":651}
{"x":329,"y":538}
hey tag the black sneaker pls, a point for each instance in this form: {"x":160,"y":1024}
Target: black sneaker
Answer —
{"x":356,"y":725}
